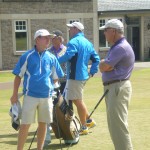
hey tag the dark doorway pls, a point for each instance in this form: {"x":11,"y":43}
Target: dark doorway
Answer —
{"x":136,"y":42}
{"x":133,"y":36}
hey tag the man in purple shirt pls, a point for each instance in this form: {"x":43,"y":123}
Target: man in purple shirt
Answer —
{"x":116,"y":70}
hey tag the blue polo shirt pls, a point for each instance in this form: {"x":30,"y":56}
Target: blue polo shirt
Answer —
{"x":38,"y":71}
{"x":122,"y":58}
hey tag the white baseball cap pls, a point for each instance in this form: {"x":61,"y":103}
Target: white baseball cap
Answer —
{"x":41,"y":32}
{"x":77,"y":25}
{"x":113,"y":23}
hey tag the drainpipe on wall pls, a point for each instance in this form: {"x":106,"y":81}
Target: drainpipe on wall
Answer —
{"x":142,"y":39}
{"x":0,"y":49}
{"x":95,"y":25}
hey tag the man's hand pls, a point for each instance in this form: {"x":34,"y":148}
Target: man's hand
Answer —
{"x":14,"y":99}
{"x":104,"y":67}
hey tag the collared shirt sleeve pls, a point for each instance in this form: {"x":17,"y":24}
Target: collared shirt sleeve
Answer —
{"x":115,"y":56}
{"x":20,"y":67}
{"x":70,"y":52}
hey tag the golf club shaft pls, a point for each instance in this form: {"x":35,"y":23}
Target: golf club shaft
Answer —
{"x":99,"y":102}
{"x":33,"y":139}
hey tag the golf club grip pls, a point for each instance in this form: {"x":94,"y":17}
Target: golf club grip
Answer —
{"x":99,"y":102}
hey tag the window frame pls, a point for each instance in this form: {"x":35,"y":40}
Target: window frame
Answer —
{"x":106,"y":43}
{"x":17,"y":52}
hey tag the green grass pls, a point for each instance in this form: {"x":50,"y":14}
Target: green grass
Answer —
{"x":6,"y":77}
{"x":99,"y":139}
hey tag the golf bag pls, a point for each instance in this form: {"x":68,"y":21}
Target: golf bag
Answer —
{"x":68,"y":129}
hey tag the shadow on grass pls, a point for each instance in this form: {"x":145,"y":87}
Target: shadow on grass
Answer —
{"x":15,"y":135}
{"x":58,"y":146}
{"x":51,"y":146}
{"x":8,"y":135}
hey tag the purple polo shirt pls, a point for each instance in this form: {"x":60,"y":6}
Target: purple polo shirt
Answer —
{"x":56,"y":52}
{"x":122,"y":58}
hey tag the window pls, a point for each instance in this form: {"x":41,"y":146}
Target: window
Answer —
{"x":102,"y":41}
{"x":73,"y":20}
{"x":21,"y":35}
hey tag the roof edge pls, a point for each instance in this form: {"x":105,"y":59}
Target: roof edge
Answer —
{"x":137,"y":10}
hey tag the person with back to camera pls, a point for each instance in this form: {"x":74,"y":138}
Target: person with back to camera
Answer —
{"x":79,"y":52}
{"x":58,"y":49}
{"x":116,"y":70}
{"x":39,"y":68}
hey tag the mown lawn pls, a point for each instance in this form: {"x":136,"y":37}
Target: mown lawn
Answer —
{"x":98,"y":139}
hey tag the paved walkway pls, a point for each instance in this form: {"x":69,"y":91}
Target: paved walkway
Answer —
{"x":138,"y":65}
{"x":142,"y":65}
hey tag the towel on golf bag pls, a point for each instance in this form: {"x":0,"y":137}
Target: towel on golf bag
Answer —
{"x":68,"y":129}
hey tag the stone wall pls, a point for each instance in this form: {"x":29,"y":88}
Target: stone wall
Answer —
{"x":38,"y":8}
{"x":45,"y":7}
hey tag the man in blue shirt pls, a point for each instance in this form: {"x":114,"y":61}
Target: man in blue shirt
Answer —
{"x":39,"y":68}
{"x":78,"y":54}
{"x":116,"y":70}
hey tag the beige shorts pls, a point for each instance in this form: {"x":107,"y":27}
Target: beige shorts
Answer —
{"x":74,"y":89}
{"x":43,"y":107}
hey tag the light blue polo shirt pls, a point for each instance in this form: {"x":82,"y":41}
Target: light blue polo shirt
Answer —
{"x":38,"y":71}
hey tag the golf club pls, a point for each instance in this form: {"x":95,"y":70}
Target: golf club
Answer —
{"x":33,"y":139}
{"x":99,"y":102}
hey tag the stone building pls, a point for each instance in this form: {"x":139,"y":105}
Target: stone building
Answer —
{"x":135,"y":14}
{"x":19,"y":19}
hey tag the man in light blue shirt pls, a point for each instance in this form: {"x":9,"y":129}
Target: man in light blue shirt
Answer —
{"x":78,"y":54}
{"x":39,"y":68}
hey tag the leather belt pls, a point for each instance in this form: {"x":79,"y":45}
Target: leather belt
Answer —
{"x":114,"y":81}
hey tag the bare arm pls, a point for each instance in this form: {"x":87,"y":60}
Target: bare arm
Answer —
{"x":104,"y":67}
{"x":14,"y":97}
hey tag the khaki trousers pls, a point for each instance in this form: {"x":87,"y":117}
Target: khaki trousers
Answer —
{"x":117,"y":101}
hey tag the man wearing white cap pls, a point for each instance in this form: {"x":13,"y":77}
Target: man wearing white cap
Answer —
{"x":39,"y":68}
{"x":79,"y":52}
{"x":116,"y":70}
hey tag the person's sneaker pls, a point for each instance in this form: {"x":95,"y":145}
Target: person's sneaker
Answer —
{"x":84,"y":130}
{"x":90,"y":123}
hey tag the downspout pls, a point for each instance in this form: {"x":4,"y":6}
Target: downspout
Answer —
{"x":95,"y":26}
{"x":0,"y":48}
{"x":142,"y":39}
